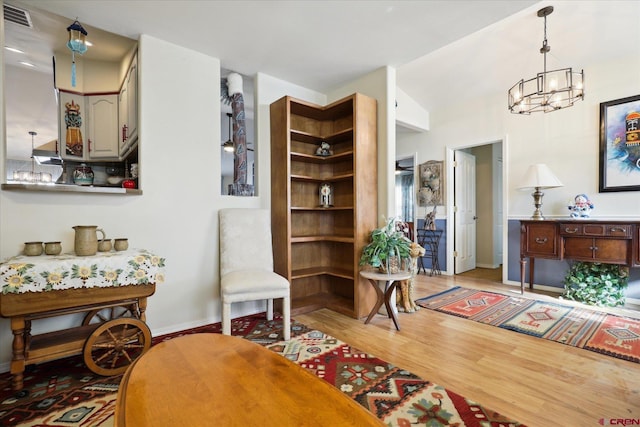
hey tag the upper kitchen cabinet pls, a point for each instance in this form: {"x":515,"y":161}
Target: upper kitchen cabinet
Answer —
{"x":99,"y":123}
{"x":128,"y":109}
{"x":100,"y":102}
{"x":89,"y":126}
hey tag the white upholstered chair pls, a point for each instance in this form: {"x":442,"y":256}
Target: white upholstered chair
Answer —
{"x":246,"y":265}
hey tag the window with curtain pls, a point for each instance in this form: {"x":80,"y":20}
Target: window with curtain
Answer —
{"x":404,"y":196}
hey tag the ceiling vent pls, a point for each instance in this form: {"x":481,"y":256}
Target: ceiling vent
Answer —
{"x":17,"y":16}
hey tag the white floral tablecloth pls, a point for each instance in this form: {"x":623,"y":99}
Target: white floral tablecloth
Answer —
{"x":67,"y":271}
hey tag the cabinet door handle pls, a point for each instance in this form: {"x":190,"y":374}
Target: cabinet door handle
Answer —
{"x":593,"y":248}
{"x":541,"y":240}
{"x":570,"y":231}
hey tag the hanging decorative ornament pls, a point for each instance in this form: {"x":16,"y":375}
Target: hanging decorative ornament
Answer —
{"x":77,"y":44}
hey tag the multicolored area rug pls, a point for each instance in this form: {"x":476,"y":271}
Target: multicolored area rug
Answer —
{"x":589,"y":329}
{"x":66,"y":393}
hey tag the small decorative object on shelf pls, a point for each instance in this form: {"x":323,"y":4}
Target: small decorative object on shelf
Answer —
{"x":83,"y":175}
{"x":33,"y":248}
{"x":324,"y":150}
{"x":52,"y":248}
{"x":129,"y":183}
{"x":121,"y":244}
{"x":104,"y":245}
{"x":430,"y":219}
{"x":85,"y":242}
{"x":326,"y":195}
{"x":581,"y":207}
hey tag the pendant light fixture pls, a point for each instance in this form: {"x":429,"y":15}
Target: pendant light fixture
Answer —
{"x":77,"y":44}
{"x":228,"y":146}
{"x":548,"y":90}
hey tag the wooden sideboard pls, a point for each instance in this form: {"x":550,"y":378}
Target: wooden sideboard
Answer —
{"x":610,"y":242}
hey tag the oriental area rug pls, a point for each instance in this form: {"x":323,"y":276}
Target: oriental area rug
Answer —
{"x":578,"y":327}
{"x":66,"y":393}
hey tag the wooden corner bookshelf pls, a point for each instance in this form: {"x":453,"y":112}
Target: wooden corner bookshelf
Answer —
{"x":318,"y":248}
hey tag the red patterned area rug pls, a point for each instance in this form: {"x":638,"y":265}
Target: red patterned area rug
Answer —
{"x":66,"y":393}
{"x":578,"y":327}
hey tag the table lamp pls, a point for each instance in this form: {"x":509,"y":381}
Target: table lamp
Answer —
{"x":539,"y":177}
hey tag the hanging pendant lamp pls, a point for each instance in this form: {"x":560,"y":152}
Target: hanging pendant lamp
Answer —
{"x":548,"y":90}
{"x":77,"y":44}
{"x":228,"y":146}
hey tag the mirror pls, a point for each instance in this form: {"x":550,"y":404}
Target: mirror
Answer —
{"x":226,"y":141}
{"x":38,"y":71}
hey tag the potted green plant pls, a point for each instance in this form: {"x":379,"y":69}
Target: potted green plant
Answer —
{"x":596,"y":283}
{"x":387,"y":248}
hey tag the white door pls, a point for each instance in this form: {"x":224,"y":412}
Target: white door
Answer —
{"x":465,"y":211}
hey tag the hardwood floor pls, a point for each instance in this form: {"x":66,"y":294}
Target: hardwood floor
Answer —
{"x":535,"y":381}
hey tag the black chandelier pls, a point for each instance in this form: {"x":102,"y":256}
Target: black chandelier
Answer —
{"x":549,"y":90}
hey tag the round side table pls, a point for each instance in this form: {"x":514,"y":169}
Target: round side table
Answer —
{"x":384,"y":297}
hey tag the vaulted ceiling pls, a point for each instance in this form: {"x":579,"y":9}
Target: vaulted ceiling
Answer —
{"x":444,"y":51}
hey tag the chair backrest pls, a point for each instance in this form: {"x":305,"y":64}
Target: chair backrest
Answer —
{"x":245,"y":240}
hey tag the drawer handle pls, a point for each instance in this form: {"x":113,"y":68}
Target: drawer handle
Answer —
{"x":541,"y":240}
{"x":614,"y":229}
{"x":567,"y":230}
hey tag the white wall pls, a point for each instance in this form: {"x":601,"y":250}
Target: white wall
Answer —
{"x":268,"y":90}
{"x":381,"y":85}
{"x":177,"y":215}
{"x":566,"y":140}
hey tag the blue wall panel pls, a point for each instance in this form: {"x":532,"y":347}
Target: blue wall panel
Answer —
{"x":441,"y":224}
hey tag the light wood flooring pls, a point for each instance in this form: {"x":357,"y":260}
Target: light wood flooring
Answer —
{"x":535,"y":381}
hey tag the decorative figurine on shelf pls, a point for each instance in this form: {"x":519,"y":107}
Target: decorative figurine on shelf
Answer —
{"x":324,"y":150}
{"x":581,"y":207}
{"x":326,"y":195}
{"x":430,"y":219}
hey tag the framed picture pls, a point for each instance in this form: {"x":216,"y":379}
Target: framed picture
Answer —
{"x":431,"y":189}
{"x":620,"y":145}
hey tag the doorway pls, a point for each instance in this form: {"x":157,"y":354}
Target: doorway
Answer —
{"x":405,"y":194}
{"x":478,"y":226}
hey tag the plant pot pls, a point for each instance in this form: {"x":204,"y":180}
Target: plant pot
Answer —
{"x":393,"y":266}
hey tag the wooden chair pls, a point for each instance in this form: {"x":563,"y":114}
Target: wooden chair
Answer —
{"x":246,"y":265}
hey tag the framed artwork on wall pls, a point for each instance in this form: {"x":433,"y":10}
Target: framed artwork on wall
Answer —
{"x":431,"y":188}
{"x":620,"y":145}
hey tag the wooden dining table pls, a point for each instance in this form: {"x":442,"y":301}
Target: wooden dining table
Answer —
{"x":219,"y":380}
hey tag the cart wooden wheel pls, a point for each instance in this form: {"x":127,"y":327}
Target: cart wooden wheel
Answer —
{"x":105,"y":314}
{"x":115,"y":344}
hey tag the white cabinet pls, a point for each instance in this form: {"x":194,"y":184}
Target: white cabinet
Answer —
{"x":88,"y":126}
{"x":128,"y":109}
{"x":102,"y":126}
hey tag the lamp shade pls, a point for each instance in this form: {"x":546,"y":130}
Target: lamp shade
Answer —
{"x":539,"y":176}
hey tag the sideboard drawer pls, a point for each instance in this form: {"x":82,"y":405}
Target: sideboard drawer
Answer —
{"x":540,"y":240}
{"x":596,"y":230}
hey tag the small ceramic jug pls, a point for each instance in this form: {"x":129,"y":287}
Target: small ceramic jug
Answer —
{"x":104,"y":245}
{"x":33,"y":248}
{"x":121,"y":244}
{"x":86,"y":239}
{"x":52,"y":248}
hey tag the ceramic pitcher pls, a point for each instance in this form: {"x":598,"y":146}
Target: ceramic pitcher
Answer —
{"x":86,"y":240}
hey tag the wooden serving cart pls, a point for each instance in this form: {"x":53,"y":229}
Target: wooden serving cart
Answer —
{"x":111,"y":289}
